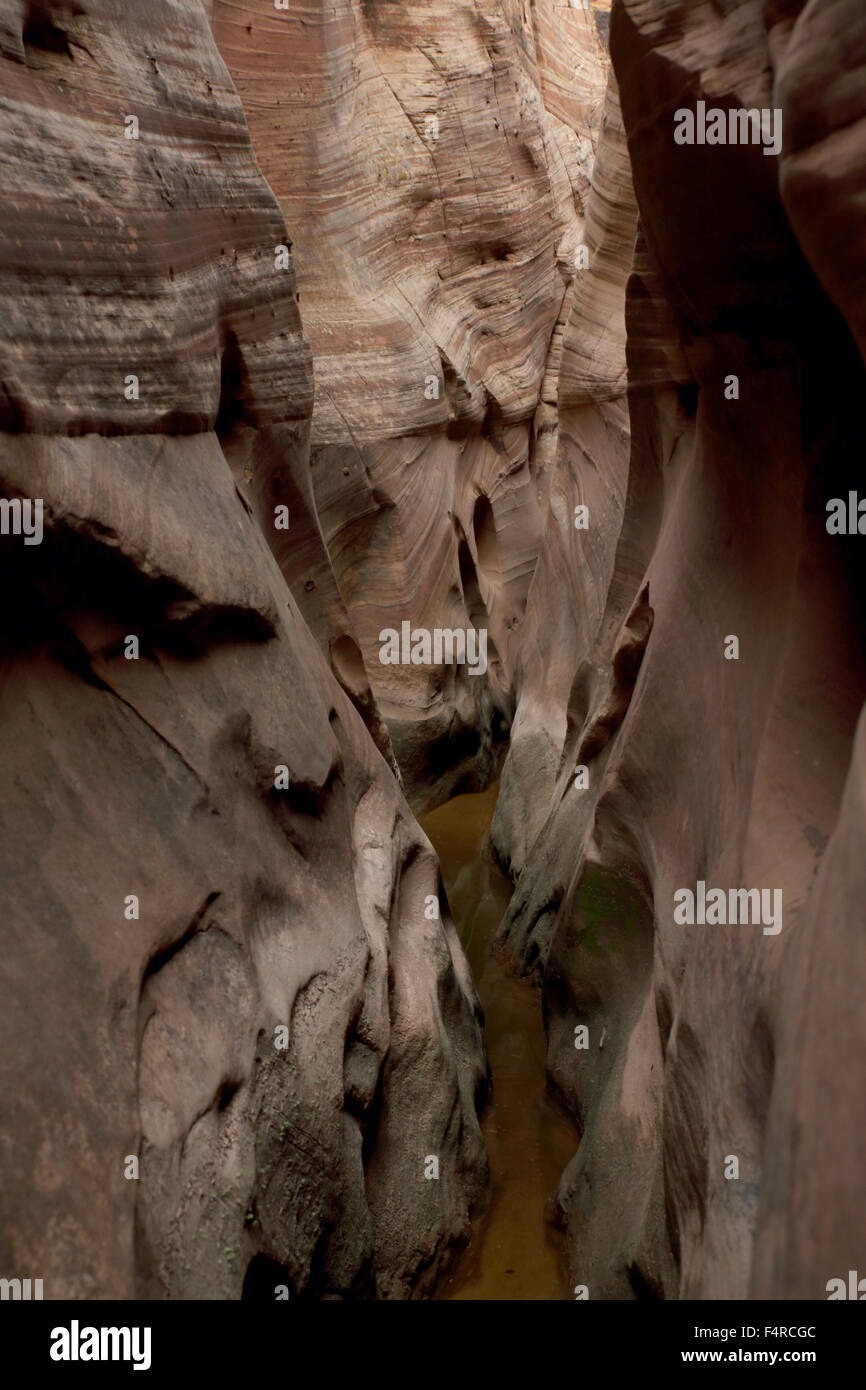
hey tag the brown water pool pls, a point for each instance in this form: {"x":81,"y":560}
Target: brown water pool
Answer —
{"x":513,"y":1252}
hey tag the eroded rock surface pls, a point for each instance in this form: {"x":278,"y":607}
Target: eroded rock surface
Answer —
{"x":433,"y":162}
{"x":586,"y":484}
{"x":708,"y":1042}
{"x":201,"y":847}
{"x":439,"y":165}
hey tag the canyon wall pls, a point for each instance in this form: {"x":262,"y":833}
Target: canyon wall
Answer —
{"x":432,"y":162}
{"x":737,"y":766}
{"x":577,"y":386}
{"x":588,"y":478}
{"x":236,"y":1026}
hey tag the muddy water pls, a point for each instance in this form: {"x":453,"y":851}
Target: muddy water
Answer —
{"x":513,"y":1253}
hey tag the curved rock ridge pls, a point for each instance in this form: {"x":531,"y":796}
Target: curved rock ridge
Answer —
{"x":237,"y":1024}
{"x":202,"y":342}
{"x":588,"y":452}
{"x":433,"y":162}
{"x":720,"y":1116}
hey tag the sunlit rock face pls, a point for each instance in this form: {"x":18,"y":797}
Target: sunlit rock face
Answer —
{"x":236,"y":1027}
{"x":709,"y":1043}
{"x":432,"y":162}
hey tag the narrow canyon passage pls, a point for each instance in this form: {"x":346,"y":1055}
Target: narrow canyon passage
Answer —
{"x":400,"y":398}
{"x":513,"y":1253}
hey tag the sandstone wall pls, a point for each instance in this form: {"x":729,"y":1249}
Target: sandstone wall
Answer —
{"x":588,"y":469}
{"x":259,"y":905}
{"x":433,"y":164}
{"x":438,"y":166}
{"x":707,"y":1042}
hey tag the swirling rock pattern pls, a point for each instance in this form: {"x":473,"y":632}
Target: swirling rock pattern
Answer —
{"x":433,"y":164}
{"x":439,"y":166}
{"x":170,"y":901}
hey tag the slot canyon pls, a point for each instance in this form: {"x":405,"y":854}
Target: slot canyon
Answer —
{"x":336,"y":328}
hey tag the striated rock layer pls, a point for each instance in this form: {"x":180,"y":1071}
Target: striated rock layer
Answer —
{"x":709,"y":1043}
{"x":433,"y":163}
{"x":588,"y":470}
{"x":222,"y":955}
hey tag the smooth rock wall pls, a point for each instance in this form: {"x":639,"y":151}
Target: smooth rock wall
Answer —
{"x":712,"y":1042}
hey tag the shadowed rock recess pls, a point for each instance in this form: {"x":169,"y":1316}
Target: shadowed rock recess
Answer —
{"x":370,"y":315}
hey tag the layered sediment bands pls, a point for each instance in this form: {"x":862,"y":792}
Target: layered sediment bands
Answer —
{"x":708,"y":1042}
{"x":96,"y":209}
{"x":433,"y":163}
{"x":586,"y":444}
{"x":217,"y":959}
